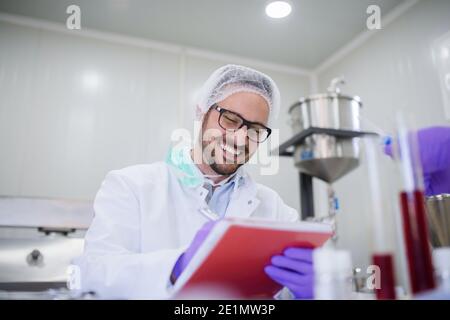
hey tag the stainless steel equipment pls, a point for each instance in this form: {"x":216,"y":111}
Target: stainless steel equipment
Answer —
{"x":438,"y":209}
{"x":325,"y":144}
{"x":325,"y":156}
{"x":38,"y":240}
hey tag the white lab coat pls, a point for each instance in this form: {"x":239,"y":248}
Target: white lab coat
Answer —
{"x":144,"y":219}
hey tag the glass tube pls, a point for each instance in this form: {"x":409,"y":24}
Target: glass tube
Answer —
{"x":381,"y":214}
{"x":412,"y":204}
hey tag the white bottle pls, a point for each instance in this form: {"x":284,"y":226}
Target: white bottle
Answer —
{"x":333,"y":274}
{"x":441,"y":259}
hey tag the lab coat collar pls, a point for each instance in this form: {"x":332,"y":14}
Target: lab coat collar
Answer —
{"x":240,"y":179}
{"x":243,"y":200}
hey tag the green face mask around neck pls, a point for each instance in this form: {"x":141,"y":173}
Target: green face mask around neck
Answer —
{"x":185,"y":169}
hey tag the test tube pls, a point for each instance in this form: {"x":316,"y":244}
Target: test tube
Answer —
{"x":381,"y":213}
{"x":412,"y":204}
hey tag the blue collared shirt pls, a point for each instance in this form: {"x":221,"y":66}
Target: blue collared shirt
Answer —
{"x":219,"y":198}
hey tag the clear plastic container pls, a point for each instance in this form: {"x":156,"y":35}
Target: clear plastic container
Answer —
{"x":441,"y":259}
{"x":333,"y":274}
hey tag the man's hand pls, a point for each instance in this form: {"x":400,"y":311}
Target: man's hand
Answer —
{"x":434,"y":148}
{"x":294,"y":270}
{"x":187,"y":256}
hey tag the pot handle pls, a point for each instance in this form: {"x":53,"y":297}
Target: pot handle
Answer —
{"x":335,"y":83}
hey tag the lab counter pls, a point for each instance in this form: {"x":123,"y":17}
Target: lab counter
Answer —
{"x":38,"y":240}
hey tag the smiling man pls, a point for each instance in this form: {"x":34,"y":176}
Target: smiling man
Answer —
{"x":151,"y":219}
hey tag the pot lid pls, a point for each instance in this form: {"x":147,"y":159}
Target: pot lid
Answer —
{"x":327,"y":96}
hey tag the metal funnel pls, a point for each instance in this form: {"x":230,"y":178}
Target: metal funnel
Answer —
{"x":438,"y":208}
{"x":328,"y":169}
{"x":326,"y":157}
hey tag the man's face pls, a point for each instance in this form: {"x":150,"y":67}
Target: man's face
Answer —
{"x":225,"y":150}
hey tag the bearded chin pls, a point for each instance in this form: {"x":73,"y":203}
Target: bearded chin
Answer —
{"x":224,"y":169}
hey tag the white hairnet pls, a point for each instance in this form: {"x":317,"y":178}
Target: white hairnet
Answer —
{"x":231,"y":79}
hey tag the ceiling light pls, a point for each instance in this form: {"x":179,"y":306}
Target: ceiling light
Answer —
{"x":278,"y":9}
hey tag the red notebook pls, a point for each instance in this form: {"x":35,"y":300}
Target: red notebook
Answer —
{"x":233,"y":256}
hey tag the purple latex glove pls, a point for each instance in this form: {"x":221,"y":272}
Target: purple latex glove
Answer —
{"x":294,"y":270}
{"x":187,"y":256}
{"x":434,"y":147}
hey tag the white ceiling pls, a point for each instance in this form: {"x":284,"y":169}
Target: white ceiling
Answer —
{"x":314,"y":30}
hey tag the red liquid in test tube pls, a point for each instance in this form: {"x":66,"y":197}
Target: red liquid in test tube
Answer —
{"x":418,"y":251}
{"x":385,"y":262}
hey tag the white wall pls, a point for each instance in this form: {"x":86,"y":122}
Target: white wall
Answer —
{"x":399,"y":68}
{"x":74,"y":107}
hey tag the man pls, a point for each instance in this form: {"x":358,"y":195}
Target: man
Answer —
{"x":150,"y":219}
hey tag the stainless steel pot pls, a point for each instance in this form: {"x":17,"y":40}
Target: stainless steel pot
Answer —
{"x":323,"y":156}
{"x":438,"y":209}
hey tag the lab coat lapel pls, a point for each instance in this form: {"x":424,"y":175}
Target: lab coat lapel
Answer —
{"x":243,"y":201}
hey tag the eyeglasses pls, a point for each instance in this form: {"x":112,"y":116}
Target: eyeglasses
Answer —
{"x":231,"y":121}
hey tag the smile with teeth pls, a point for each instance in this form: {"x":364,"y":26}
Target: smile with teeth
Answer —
{"x":230,"y":150}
